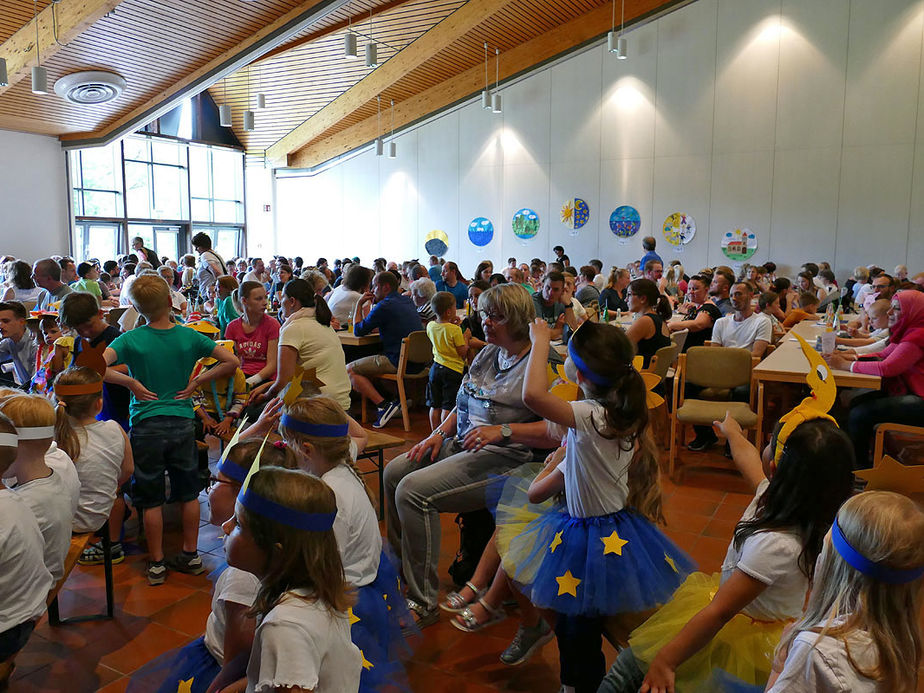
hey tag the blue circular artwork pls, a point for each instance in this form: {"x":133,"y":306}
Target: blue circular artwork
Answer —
{"x":437,"y":243}
{"x":625,"y":221}
{"x":525,"y":224}
{"x":575,"y":213}
{"x":480,"y":231}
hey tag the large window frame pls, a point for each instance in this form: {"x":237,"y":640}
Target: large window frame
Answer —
{"x":121,"y":223}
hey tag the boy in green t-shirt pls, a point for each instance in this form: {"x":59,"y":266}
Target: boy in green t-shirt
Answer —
{"x":160,"y":357}
{"x":88,"y":281}
{"x":450,"y":348}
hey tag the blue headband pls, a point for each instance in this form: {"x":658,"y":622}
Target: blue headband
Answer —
{"x":309,"y":522}
{"x":232,"y":470}
{"x":584,"y":369}
{"x":877,"y":571}
{"x":312,"y":429}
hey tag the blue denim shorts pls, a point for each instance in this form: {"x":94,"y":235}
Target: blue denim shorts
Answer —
{"x":164,"y":444}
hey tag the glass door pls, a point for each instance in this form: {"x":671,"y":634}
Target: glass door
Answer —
{"x":98,"y":240}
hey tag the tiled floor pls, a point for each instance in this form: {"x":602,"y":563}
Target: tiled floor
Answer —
{"x":151,"y":620}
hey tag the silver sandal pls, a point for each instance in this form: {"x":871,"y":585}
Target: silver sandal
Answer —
{"x":470,"y":623}
{"x":455,"y":602}
{"x":425,"y":618}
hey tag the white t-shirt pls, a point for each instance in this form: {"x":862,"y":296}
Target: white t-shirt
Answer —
{"x":235,"y":586}
{"x":304,"y":644}
{"x":124,"y":300}
{"x":24,"y":579}
{"x":50,"y":502}
{"x":728,"y":332}
{"x":341,"y":302}
{"x":579,"y":310}
{"x":102,"y":448}
{"x":600,"y":281}
{"x":319,"y":347}
{"x":177,"y":299}
{"x":772,"y":557}
{"x":61,"y":462}
{"x":595,"y":468}
{"x":820,"y":665}
{"x":355,"y":526}
{"x":251,"y":277}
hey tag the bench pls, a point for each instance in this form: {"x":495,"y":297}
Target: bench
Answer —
{"x":78,"y":543}
{"x":375,"y":451}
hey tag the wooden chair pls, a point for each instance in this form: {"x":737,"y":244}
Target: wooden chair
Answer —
{"x":659,"y":365}
{"x":715,"y":368}
{"x":374,"y":451}
{"x":78,"y":543}
{"x":415,"y":348}
{"x":912,"y":451}
{"x":113,"y":315}
{"x":680,"y":338}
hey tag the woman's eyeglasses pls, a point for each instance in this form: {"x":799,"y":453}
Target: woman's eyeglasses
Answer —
{"x":495,"y":318}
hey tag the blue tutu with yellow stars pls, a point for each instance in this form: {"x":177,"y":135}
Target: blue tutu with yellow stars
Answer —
{"x":376,"y":622}
{"x":608,"y":564}
{"x":191,"y":668}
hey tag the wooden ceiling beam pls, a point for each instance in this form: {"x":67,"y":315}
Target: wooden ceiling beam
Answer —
{"x":58,"y":24}
{"x":456,"y":25}
{"x":266,"y":39}
{"x":470,"y":82}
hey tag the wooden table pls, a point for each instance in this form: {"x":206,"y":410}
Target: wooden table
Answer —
{"x":347,"y":338}
{"x":375,"y":451}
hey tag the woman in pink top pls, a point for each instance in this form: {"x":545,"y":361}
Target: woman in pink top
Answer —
{"x":901,"y":367}
{"x":256,"y":337}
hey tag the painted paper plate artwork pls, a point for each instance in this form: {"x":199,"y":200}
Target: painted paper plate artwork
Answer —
{"x":679,"y":229}
{"x":739,"y":245}
{"x":575,"y":213}
{"x":437,"y":243}
{"x":480,"y":231}
{"x":525,"y":224}
{"x":625,"y":221}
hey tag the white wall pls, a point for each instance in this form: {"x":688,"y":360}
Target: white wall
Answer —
{"x":33,"y":196}
{"x":803,"y":121}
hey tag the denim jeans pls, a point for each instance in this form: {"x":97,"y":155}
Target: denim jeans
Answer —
{"x":417,"y":492}
{"x":164,"y":444}
{"x":875,"y":408}
{"x":625,"y":676}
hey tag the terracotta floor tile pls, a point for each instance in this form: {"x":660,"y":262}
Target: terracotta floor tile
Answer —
{"x":691,"y":504}
{"x":188,"y":615}
{"x":684,"y":521}
{"x":68,"y":674}
{"x":152,"y":641}
{"x":726,"y":512}
{"x":117,"y":686}
{"x":719,"y":528}
{"x":709,"y":552}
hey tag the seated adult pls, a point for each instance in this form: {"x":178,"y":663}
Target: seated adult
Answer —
{"x":803,"y":307}
{"x":395,"y":316}
{"x":613,"y":296}
{"x":568,"y":296}
{"x":649,"y":331}
{"x":255,"y":335}
{"x":489,"y":433}
{"x":283,"y":275}
{"x":128,"y":276}
{"x":306,"y":339}
{"x":484,"y":271}
{"x":17,"y":345}
{"x":177,"y":300}
{"x":68,"y":270}
{"x":587,"y":292}
{"x":47,"y":274}
{"x":805,"y":283}
{"x":700,"y":313}
{"x":599,"y":277}
{"x":342,"y":300}
{"x":744,"y":328}
{"x":719,"y":290}
{"x":421,"y":291}
{"x":901,"y":367}
{"x":452,"y":281}
{"x":21,"y":287}
{"x":549,"y":306}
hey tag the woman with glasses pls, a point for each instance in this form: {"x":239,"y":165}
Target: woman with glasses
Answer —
{"x":649,"y":331}
{"x":489,"y":433}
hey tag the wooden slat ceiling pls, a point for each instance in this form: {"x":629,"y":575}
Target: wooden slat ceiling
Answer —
{"x":15,"y":14}
{"x":300,"y":81}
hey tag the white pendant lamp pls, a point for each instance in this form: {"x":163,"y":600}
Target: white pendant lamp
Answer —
{"x":372,"y":54}
{"x":39,"y":73}
{"x":496,"y":99}
{"x":392,"y":145}
{"x":4,"y":80}
{"x":349,"y":46}
{"x":486,"y":94}
{"x":379,"y":143}
{"x":261,"y":97}
{"x":224,"y":111}
{"x":616,"y":43}
{"x":249,"y":125}
{"x":261,"y":100}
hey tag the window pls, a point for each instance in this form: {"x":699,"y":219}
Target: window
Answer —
{"x":96,"y":177}
{"x":225,"y":241}
{"x":155,"y":179}
{"x":99,"y":240}
{"x":163,"y":240}
{"x":216,"y":185}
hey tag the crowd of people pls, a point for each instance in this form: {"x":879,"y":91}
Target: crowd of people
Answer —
{"x":113,"y":370}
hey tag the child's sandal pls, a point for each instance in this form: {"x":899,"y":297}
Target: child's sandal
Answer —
{"x":455,"y":602}
{"x":470,"y":624}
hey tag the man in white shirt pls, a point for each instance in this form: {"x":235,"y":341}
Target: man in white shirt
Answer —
{"x":743,"y":328}
{"x":257,"y":270}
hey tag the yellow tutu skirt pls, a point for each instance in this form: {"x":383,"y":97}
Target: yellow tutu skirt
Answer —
{"x":743,"y":649}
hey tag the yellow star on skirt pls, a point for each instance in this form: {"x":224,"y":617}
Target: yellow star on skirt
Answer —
{"x":353,"y":617}
{"x":670,"y":562}
{"x":366,"y":663}
{"x":185,"y":686}
{"x":567,"y":584}
{"x":613,"y":544}
{"x":555,"y":542}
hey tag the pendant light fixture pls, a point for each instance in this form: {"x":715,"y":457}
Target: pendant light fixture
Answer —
{"x":372,"y":48}
{"x":379,"y":144}
{"x":486,"y":95}
{"x":621,"y":43}
{"x":39,"y":73}
{"x":496,"y":100}
{"x":392,"y":145}
{"x":248,"y":114}
{"x":224,"y":111}
{"x":349,"y":41}
{"x":261,"y":97}
{"x":4,"y":80}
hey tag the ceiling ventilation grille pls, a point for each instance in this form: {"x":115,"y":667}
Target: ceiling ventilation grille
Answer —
{"x":88,"y":88}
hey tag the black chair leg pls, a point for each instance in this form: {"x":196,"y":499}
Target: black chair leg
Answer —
{"x":381,"y":484}
{"x":54,"y":615}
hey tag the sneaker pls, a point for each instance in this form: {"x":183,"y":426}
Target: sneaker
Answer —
{"x":527,"y":642}
{"x":703,"y":442}
{"x":157,"y":573}
{"x":386,"y":412}
{"x":187,"y":563}
{"x":93,"y":554}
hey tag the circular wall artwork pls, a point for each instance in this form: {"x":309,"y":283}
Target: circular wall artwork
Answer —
{"x":436,"y":243}
{"x":480,"y":231}
{"x":625,"y":221}
{"x":575,"y":213}
{"x":679,"y":229}
{"x":739,"y":245}
{"x":525,"y":224}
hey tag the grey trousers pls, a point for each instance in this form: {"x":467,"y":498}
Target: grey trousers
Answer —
{"x":625,"y":676}
{"x":417,"y":492}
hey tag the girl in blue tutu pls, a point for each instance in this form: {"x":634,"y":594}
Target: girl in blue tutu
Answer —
{"x":595,"y":561}
{"x":317,"y":430}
